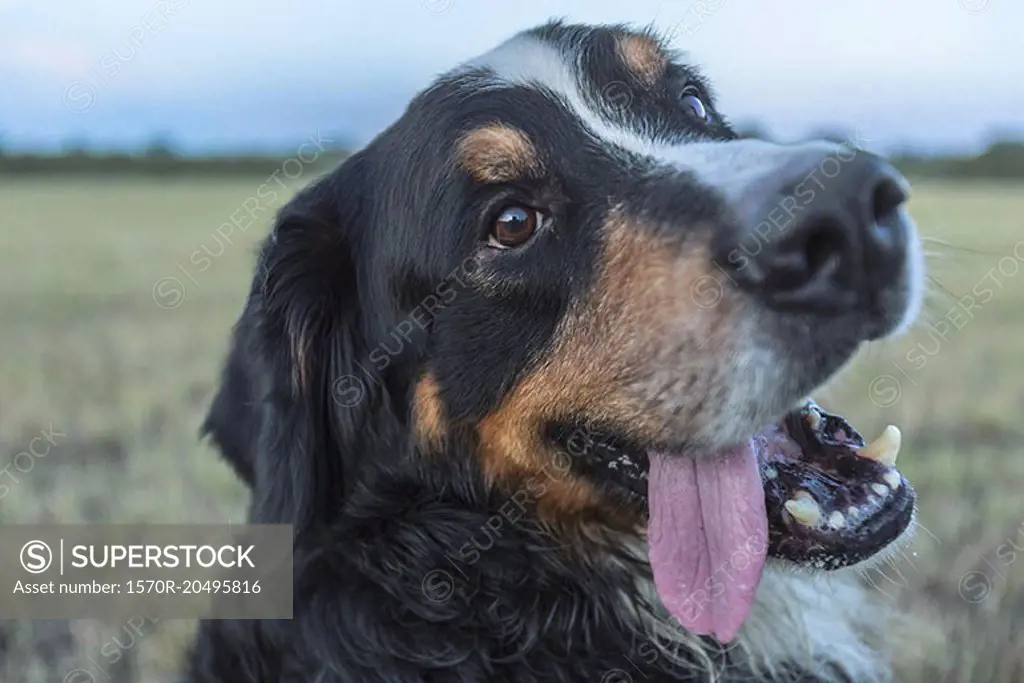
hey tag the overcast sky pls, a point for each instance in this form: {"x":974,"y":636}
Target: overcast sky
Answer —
{"x":227,"y":73}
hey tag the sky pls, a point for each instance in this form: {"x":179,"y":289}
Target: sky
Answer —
{"x":223,"y":75}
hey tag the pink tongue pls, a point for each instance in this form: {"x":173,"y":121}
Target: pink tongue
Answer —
{"x":708,"y":537}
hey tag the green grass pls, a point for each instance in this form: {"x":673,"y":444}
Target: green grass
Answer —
{"x":87,"y":349}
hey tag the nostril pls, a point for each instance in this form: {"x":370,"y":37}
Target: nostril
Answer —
{"x":811,"y":252}
{"x":886,"y":199}
{"x":824,"y":244}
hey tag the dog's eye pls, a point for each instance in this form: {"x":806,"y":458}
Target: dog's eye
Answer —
{"x":514,"y":226}
{"x":694,"y":105}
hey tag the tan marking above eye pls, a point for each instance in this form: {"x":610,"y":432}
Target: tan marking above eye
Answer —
{"x":497,"y":153}
{"x":643,"y":57}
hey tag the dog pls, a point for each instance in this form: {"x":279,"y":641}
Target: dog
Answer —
{"x":530,"y":376}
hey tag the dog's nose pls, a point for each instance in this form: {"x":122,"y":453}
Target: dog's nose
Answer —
{"x":824,"y":233}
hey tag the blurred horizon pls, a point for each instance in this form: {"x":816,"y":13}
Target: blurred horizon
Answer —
{"x":923,"y":76}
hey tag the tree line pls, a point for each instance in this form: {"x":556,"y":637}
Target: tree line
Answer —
{"x":1002,"y":159}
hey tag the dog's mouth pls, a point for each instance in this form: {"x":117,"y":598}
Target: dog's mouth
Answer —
{"x":806,"y":489}
{"x":831,"y":501}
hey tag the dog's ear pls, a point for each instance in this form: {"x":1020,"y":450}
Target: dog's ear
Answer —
{"x":233,"y":422}
{"x":293,"y":399}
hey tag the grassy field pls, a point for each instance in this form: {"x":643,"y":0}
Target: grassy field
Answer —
{"x":111,"y":340}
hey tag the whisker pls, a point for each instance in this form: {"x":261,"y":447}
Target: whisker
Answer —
{"x":945,"y":244}
{"x":942,"y":287}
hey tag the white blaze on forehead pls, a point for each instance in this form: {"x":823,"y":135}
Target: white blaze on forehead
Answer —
{"x":734,"y":166}
{"x":726,"y":165}
{"x":528,"y":61}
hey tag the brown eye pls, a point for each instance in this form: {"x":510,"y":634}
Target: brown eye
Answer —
{"x":514,"y":226}
{"x":695,"y":106}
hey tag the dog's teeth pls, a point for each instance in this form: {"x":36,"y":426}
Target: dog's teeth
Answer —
{"x":885,"y":448}
{"x":892,"y":479}
{"x":880,"y":489}
{"x":814,"y":419}
{"x":836,"y":520}
{"x":804,"y":510}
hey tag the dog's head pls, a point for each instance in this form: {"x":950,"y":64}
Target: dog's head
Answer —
{"x":562,"y":263}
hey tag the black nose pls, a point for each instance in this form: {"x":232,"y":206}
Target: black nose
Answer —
{"x":823,"y":234}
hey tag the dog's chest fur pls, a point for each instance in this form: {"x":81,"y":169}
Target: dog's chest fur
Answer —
{"x":421,"y":587}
